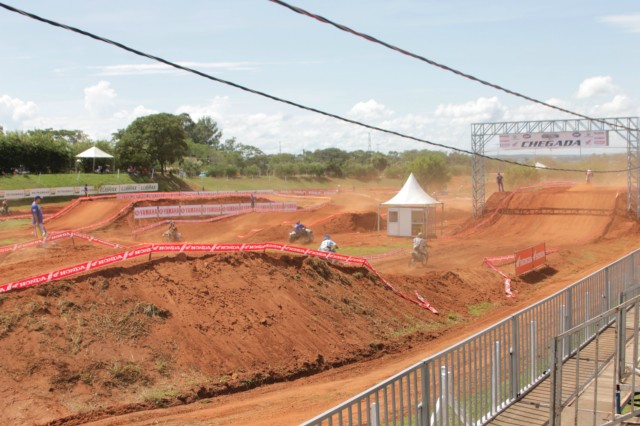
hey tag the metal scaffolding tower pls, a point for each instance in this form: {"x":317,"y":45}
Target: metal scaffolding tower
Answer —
{"x":626,"y":127}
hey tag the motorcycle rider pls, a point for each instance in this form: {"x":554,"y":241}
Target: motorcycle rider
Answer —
{"x":328,"y":245}
{"x":299,"y":228}
{"x":5,"y":207}
{"x":420,"y":246}
{"x":173,"y":230}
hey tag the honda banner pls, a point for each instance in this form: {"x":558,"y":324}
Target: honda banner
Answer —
{"x":530,"y":258}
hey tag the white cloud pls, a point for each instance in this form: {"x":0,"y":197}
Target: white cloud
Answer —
{"x":370,"y":110}
{"x":159,"y":68}
{"x":15,"y":109}
{"x":630,"y":23}
{"x":479,"y":110}
{"x":532,"y":112}
{"x":619,"y":106}
{"x":128,"y":116}
{"x":99,"y":100}
{"x":595,"y":86}
{"x":214,"y":109}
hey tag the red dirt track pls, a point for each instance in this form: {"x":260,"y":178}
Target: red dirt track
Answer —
{"x":270,"y":338}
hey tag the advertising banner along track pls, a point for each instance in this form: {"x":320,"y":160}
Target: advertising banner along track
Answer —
{"x":149,"y":249}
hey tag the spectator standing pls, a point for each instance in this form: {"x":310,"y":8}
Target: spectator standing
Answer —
{"x":38,"y":220}
{"x":589,"y":176}
{"x":252,"y":200}
{"x":86,"y":190}
{"x":499,"y":179}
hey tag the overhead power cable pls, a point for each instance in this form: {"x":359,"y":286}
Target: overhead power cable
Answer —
{"x":272,"y":97}
{"x":444,"y":67}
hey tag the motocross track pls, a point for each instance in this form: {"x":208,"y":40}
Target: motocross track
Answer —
{"x":271,"y":338}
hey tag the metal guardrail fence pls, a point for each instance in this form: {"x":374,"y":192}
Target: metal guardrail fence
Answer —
{"x":473,"y":381}
{"x":581,"y":392}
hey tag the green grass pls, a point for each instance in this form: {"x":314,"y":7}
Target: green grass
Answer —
{"x":62,"y":180}
{"x":412,"y":325}
{"x":159,"y":396}
{"x":14,"y":224}
{"x":165,"y":183}
{"x":247,"y":184}
{"x":172,"y":183}
{"x":479,"y":309}
{"x":368,"y":251}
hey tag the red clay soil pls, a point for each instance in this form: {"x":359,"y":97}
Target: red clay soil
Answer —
{"x":269,"y":338}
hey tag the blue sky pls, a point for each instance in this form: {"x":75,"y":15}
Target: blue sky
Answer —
{"x":581,"y":55}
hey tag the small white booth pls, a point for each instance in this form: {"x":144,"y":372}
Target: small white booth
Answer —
{"x":411,"y":211}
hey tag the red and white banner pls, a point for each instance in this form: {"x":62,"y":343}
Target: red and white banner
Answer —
{"x":231,"y":208}
{"x":215,"y":248}
{"x":168,"y":211}
{"x":208,"y":209}
{"x":530,"y":258}
{"x":555,"y":140}
{"x":145,"y":212}
{"x":192,"y":210}
{"x":211,"y":209}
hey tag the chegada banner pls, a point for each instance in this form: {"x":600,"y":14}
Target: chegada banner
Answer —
{"x":555,"y":140}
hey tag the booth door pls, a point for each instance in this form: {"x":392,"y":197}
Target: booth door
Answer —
{"x":418,"y":222}
{"x":393,"y":225}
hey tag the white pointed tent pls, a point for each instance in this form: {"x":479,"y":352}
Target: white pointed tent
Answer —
{"x":95,"y":152}
{"x":408,"y":210}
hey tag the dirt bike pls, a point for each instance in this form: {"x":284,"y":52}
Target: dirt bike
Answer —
{"x":171,"y":236}
{"x":306,"y":237}
{"x":5,"y":210}
{"x":418,"y":258}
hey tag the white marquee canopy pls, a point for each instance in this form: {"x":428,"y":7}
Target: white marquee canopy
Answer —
{"x":94,"y":152}
{"x":411,"y":195}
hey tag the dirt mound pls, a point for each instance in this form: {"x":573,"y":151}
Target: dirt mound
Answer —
{"x":557,"y":215}
{"x":86,"y":213}
{"x":350,"y":222}
{"x":177,"y":329}
{"x":495,"y":200}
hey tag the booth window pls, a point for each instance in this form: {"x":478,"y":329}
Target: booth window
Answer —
{"x":393,"y":216}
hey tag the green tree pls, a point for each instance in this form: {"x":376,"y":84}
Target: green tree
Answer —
{"x":71,"y":137}
{"x":430,"y":169}
{"x":205,"y":131}
{"x":153,"y":139}
{"x":516,"y":176}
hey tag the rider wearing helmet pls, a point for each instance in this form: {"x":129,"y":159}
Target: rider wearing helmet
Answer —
{"x":299,"y":228}
{"x":328,"y":245}
{"x":419,"y":244}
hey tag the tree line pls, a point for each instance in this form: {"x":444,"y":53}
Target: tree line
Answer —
{"x":169,"y":143}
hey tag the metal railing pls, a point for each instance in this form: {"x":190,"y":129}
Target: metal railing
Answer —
{"x":473,"y":381}
{"x":580,"y":393}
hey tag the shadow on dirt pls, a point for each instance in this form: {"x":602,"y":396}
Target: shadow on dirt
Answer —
{"x":539,"y":275}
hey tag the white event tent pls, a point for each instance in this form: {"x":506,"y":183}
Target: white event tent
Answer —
{"x":408,"y":211}
{"x":95,"y":152}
